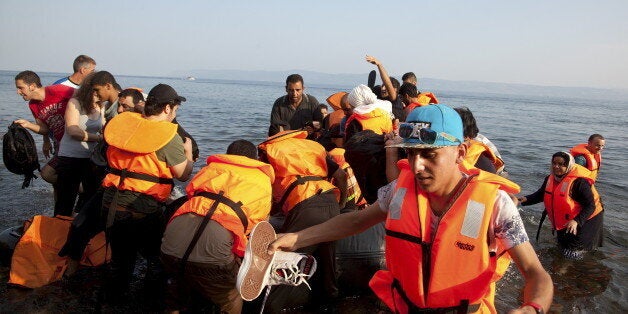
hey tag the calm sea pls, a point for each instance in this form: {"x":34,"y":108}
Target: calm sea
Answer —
{"x":527,"y":129}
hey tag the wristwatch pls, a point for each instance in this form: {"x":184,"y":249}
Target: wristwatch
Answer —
{"x":538,"y":308}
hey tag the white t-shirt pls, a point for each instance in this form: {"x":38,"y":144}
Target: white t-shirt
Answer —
{"x":508,"y":226}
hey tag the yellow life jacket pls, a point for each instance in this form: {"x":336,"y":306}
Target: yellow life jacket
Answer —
{"x":300,"y":168}
{"x":476,"y":149}
{"x":377,"y":120}
{"x":133,"y":141}
{"x":246,"y":187}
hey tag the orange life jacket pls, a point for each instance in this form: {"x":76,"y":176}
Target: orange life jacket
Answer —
{"x":246,"y":185}
{"x":300,"y":168}
{"x":133,"y":141}
{"x":594,"y":161}
{"x":427,"y":98}
{"x":559,"y":205}
{"x":462,"y":261}
{"x":378,"y":121}
{"x":36,"y":261}
{"x":412,"y":106}
{"x":353,"y":189}
{"x":476,"y":149}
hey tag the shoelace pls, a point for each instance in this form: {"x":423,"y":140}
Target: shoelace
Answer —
{"x":289,"y":274}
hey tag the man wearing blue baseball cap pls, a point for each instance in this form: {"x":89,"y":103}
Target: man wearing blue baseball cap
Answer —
{"x":450,"y":232}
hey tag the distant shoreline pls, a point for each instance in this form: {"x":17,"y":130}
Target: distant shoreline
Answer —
{"x":347,"y":81}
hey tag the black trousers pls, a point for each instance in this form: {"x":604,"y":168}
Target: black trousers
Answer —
{"x":313,"y":211}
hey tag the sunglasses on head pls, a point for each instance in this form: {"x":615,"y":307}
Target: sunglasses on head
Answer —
{"x":422,"y":132}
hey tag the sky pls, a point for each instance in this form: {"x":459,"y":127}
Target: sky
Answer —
{"x":551,"y":43}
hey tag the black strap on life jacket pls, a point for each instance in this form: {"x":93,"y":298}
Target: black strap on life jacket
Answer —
{"x":463,"y":307}
{"x":300,"y":180}
{"x":404,"y":236}
{"x":141,"y":176}
{"x":538,"y":231}
{"x":217,"y":198}
{"x":235,"y":206}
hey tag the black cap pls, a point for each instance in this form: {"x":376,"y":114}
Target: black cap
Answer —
{"x":163,"y":93}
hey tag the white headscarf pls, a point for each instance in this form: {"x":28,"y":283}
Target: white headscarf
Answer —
{"x":364,"y":101}
{"x":570,"y":163}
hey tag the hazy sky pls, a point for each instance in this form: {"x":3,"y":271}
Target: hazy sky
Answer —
{"x":564,"y":43}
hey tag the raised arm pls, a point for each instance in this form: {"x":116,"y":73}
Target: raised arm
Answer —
{"x":383,"y":74}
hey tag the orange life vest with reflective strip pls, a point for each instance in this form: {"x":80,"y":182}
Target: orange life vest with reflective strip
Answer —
{"x":461,"y":262}
{"x":560,"y":207}
{"x":300,"y":168}
{"x":353,"y":189}
{"x":242,"y":180}
{"x":378,"y":121}
{"x":476,"y":149}
{"x":133,"y":141}
{"x":594,"y":161}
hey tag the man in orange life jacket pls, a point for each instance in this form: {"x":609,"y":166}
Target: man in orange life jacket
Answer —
{"x":444,"y":229}
{"x":589,"y":155}
{"x":144,"y":157}
{"x":572,"y":204}
{"x":301,"y":190}
{"x":225,"y":200}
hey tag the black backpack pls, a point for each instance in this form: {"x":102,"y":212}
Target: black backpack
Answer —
{"x":366,"y":155}
{"x":20,"y":153}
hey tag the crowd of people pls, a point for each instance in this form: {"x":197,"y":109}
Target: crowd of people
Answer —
{"x":452,"y":225}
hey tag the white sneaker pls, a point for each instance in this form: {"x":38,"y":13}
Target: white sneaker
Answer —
{"x":259,"y":269}
{"x":253,"y":273}
{"x":290,"y":268}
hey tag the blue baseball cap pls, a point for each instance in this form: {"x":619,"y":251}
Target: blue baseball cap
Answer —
{"x":431,"y":126}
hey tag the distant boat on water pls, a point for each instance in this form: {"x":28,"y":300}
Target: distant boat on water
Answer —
{"x":191,"y":78}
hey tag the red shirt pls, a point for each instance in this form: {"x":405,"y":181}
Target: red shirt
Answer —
{"x":51,"y":110}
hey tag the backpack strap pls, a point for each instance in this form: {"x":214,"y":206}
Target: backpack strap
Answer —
{"x":218,"y":198}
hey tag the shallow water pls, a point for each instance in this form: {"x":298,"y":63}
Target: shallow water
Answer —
{"x":526,"y":129}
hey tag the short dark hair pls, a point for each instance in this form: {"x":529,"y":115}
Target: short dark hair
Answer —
{"x":409,"y":75}
{"x":470,"y":127}
{"x":242,"y":148}
{"x":395,"y":83}
{"x":322,"y":106}
{"x":104,"y":78}
{"x":595,"y":137}
{"x":294,"y":78}
{"x":82,"y":61}
{"x":408,"y":89}
{"x":29,"y":77}
{"x":152,"y":108}
{"x":135,"y":95}
{"x":377,"y":90}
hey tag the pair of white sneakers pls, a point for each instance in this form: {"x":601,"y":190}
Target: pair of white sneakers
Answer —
{"x":260,"y":269}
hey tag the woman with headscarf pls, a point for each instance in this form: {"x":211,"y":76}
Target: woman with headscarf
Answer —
{"x":369,"y":113}
{"x":572,"y":205}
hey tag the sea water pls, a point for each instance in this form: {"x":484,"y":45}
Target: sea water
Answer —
{"x":527,"y":130}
